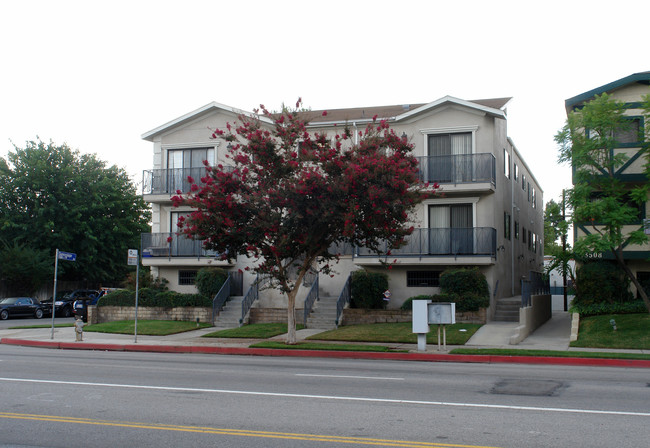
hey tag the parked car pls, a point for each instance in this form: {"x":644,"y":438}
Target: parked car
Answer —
{"x":64,"y":305}
{"x":22,"y":306}
{"x":81,"y":306}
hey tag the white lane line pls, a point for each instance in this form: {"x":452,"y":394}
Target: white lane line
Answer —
{"x":333,"y":397}
{"x":351,"y":377}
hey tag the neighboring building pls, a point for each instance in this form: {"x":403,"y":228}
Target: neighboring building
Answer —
{"x":631,"y":91}
{"x":490,"y":214}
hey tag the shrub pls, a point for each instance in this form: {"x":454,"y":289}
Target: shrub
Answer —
{"x":210,"y":280}
{"x":601,"y":282}
{"x":408,"y":303}
{"x":367,"y":289}
{"x":464,"y":282}
{"x":595,"y":309}
{"x":154,"y":297}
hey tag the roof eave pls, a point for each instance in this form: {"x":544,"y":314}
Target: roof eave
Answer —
{"x":571,"y":103}
{"x":151,"y":135}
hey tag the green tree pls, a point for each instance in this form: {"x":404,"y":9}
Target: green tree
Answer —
{"x":24,"y":269}
{"x":600,"y":200}
{"x":54,"y":197}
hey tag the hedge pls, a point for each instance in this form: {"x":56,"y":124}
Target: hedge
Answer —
{"x":154,"y":298}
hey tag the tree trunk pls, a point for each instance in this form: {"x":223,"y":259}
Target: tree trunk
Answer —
{"x":291,"y":316}
{"x":619,"y":259}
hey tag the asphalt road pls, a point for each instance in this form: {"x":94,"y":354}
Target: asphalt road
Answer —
{"x":58,"y":398}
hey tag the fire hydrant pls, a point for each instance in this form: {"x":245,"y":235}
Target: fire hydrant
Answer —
{"x":79,"y":329}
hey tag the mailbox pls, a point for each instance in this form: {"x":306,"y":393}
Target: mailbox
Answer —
{"x":426,"y":312}
{"x":442,"y":313}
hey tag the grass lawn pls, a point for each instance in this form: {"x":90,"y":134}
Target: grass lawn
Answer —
{"x":253,"y":331}
{"x":457,"y":334}
{"x":145,"y":327}
{"x":325,"y":346}
{"x":633,"y":332}
{"x":551,"y":353}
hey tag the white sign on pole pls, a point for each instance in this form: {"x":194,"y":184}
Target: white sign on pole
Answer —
{"x":133,"y":257}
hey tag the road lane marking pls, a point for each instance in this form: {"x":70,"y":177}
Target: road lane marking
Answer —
{"x":333,"y":397}
{"x":352,"y":377}
{"x":236,"y":432}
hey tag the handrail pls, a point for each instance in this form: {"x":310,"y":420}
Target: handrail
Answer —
{"x":312,"y":296}
{"x":535,"y":284}
{"x":251,"y":296}
{"x":220,"y":298}
{"x":344,"y":299}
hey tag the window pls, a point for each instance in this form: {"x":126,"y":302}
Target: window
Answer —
{"x":530,"y":240}
{"x":534,"y":199}
{"x":523,"y":235}
{"x":506,"y":225}
{"x":631,"y":134}
{"x":451,"y":229}
{"x":516,"y":230}
{"x":516,"y":169}
{"x":422,"y":278}
{"x":506,"y":163}
{"x":449,"y":157}
{"x":186,"y":277}
{"x":450,"y":144}
{"x":528,"y":191}
{"x":523,"y":182}
{"x":187,"y":162}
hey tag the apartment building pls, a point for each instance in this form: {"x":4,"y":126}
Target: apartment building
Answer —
{"x":629,"y":90}
{"x":489,"y":213}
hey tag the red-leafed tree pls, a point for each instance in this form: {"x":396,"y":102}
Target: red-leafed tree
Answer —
{"x":288,"y":198}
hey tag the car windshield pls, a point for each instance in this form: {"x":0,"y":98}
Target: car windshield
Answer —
{"x":9,"y":301}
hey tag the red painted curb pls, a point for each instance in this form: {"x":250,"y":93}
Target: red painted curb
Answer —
{"x":425,"y":357}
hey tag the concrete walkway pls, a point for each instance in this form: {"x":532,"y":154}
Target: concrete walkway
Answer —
{"x":553,"y":335}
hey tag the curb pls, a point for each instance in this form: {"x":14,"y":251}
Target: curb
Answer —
{"x":413,"y":356}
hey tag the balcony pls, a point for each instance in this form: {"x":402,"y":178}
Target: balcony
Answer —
{"x":158,"y":245}
{"x":476,"y":241}
{"x":168,"y":181}
{"x":459,"y":169}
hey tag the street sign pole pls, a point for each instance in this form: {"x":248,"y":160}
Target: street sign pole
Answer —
{"x":68,"y":256}
{"x":56,"y":268}
{"x":133,"y":259}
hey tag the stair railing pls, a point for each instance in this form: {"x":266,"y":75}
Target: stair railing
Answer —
{"x":220,"y":298}
{"x":344,"y":299}
{"x":312,"y":296}
{"x":251,"y":296}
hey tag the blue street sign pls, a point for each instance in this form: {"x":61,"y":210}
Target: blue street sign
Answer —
{"x":67,"y":256}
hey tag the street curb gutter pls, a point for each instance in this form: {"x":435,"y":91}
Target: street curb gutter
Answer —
{"x":411,"y":356}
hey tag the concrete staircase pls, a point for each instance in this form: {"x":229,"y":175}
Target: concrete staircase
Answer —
{"x":323,"y":314}
{"x":507,"y":309}
{"x":230,"y":314}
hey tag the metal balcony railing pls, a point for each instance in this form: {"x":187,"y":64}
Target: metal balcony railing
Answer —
{"x":169,"y":181}
{"x":478,"y":241}
{"x":169,"y":245}
{"x":458,"y":169}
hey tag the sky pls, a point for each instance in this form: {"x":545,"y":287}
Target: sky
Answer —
{"x":97,"y":75}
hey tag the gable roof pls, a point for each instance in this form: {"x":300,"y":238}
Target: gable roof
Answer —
{"x":193,"y":115}
{"x":578,"y":100}
{"x":493,"y":106}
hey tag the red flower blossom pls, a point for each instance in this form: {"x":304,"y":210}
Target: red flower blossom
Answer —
{"x":324,"y":113}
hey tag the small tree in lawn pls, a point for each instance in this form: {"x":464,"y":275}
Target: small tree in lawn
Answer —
{"x":290,"y":197}
{"x":600,"y":200}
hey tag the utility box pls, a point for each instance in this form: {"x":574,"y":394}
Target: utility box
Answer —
{"x":442,"y":313}
{"x":420,"y":316}
{"x":425,"y":313}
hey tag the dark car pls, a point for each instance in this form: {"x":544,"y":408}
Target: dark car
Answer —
{"x":63,"y":304}
{"x":22,"y":306}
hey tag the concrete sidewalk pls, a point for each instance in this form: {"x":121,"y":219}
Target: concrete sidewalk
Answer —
{"x":554,"y":335}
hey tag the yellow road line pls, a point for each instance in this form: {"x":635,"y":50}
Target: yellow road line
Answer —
{"x":235,"y":432}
